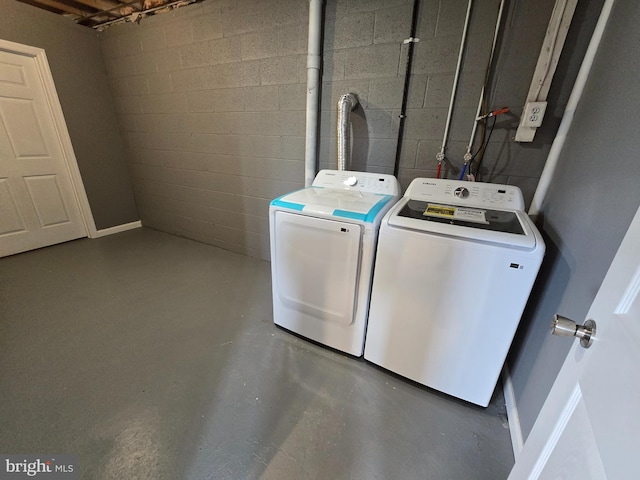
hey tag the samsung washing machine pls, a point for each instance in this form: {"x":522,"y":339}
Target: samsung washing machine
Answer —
{"x":455,"y":265}
{"x":323,"y":243}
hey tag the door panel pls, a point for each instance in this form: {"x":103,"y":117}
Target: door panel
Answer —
{"x":10,"y":218}
{"x":569,"y":459}
{"x":23,"y":130}
{"x":11,"y":73}
{"x":47,"y":199}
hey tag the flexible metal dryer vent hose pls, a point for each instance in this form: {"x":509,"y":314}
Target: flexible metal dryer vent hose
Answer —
{"x":346,"y":104}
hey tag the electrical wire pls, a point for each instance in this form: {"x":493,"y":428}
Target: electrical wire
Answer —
{"x":482,"y":101}
{"x":482,"y":148}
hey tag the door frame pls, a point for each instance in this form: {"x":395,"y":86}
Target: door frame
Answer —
{"x":55,"y":108}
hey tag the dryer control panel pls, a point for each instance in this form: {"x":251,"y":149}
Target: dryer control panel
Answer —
{"x":362,"y":181}
{"x":477,"y":194}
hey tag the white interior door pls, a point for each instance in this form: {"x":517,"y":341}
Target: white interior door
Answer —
{"x":589,"y":427}
{"x":38,"y":203}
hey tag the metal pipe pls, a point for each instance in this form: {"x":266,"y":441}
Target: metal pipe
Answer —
{"x":411,"y":41}
{"x":569,"y":111}
{"x":447,"y":125}
{"x":346,"y":104}
{"x":314,"y":63}
{"x":467,"y":155}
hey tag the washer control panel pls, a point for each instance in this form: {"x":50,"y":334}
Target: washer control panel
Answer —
{"x":362,"y":181}
{"x":490,"y":195}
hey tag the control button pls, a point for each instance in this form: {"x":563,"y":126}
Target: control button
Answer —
{"x":351,"y":181}
{"x":461,"y":192}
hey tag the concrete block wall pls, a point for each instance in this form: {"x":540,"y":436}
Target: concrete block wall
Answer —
{"x":440,"y":29}
{"x":211,"y":99}
{"x":363,"y":54}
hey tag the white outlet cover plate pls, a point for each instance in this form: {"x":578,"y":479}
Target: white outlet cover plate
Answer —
{"x":533,"y":114}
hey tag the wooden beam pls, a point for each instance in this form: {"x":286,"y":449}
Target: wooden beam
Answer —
{"x":547,"y":62}
{"x":63,"y":7}
{"x":120,"y":11}
{"x":106,"y":6}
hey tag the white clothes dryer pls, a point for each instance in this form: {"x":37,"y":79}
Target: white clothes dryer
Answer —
{"x":323,"y":243}
{"x":455,"y":265}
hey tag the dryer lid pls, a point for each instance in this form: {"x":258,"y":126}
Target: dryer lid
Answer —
{"x":353,"y":204}
{"x":505,"y":227}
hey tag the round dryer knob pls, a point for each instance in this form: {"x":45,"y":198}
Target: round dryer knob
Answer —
{"x":351,"y":181}
{"x":461,"y":192}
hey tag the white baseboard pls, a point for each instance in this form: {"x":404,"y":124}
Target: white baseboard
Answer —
{"x":512,"y":413}
{"x":118,"y":228}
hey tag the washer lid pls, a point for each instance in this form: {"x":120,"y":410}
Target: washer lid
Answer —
{"x":506,"y":227}
{"x":353,"y":204}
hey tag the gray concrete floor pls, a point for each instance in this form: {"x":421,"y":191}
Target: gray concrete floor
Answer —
{"x":154,"y":357}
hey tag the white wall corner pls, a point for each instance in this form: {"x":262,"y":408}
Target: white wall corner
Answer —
{"x":515,"y":429}
{"x":118,"y":228}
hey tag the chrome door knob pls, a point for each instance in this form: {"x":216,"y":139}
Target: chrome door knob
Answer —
{"x":565,"y":327}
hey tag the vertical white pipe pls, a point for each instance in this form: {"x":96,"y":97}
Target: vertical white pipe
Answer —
{"x":569,"y":111}
{"x":447,"y":125}
{"x":314,"y":62}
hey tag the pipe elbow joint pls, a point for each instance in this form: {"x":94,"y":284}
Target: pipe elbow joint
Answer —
{"x":348,"y":100}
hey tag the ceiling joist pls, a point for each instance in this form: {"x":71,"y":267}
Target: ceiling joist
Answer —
{"x":103,"y":6}
{"x":61,"y":7}
{"x":100,"y":14}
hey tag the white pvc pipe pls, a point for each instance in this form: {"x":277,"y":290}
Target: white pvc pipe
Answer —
{"x":455,"y":79}
{"x":478,"y":111}
{"x":569,"y":111}
{"x":314,"y":62}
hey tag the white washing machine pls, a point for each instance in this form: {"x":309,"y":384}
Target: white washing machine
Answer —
{"x":455,"y":265}
{"x":323,"y":243}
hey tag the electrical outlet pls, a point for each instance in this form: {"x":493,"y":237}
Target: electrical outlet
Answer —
{"x":533,"y":114}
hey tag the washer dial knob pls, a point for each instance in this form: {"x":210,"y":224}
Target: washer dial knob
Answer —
{"x":351,"y":181}
{"x":461,"y":192}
